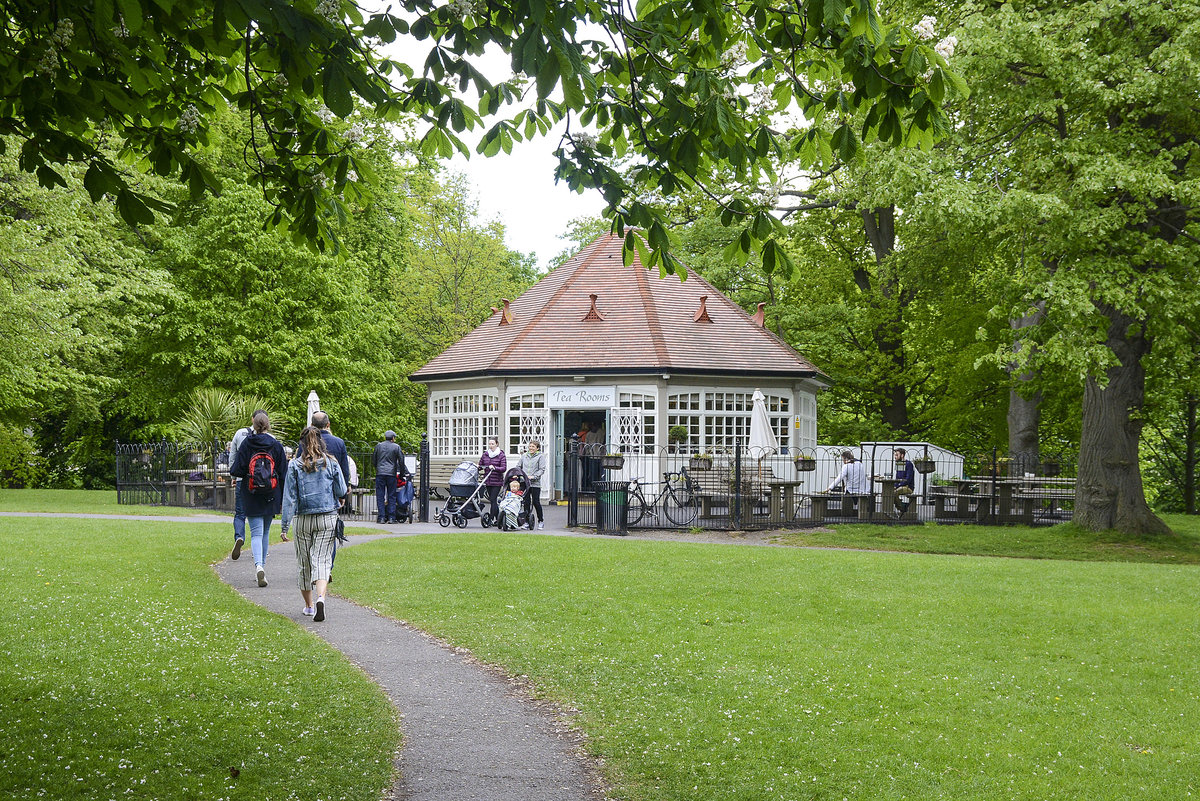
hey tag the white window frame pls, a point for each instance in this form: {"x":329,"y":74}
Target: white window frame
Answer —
{"x":462,"y":422}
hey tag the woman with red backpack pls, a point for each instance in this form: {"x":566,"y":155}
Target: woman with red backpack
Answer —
{"x":261,"y":464}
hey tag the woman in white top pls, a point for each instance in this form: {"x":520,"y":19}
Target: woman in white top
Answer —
{"x":533,"y":463}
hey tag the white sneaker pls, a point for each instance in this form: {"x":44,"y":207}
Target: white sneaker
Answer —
{"x":541,"y":526}
{"x":319,"y":615}
{"x":262,"y":576}
{"x":309,"y":611}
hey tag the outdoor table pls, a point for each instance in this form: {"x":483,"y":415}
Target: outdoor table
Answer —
{"x":961,"y":494}
{"x":887,"y":498}
{"x":782,"y":496}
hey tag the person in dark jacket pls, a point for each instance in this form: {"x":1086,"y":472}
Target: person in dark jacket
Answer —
{"x":388,"y":461}
{"x":905,"y":481}
{"x":261,"y":507}
{"x":494,"y":458}
{"x":336,"y":446}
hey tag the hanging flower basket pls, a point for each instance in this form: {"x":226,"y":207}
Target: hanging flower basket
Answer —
{"x":925,"y":465}
{"x":613,"y":461}
{"x":700,"y":462}
{"x":804,"y":462}
{"x":1051,"y":467}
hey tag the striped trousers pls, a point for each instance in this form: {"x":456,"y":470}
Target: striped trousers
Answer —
{"x":314,"y":546}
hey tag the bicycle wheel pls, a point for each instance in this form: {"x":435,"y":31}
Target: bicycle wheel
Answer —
{"x":680,"y":507}
{"x":637,"y":509}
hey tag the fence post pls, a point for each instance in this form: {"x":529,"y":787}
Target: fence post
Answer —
{"x":423,"y":469}
{"x":162,"y":449}
{"x":737,"y":484}
{"x":995,"y":487}
{"x":217,"y":508}
{"x":117,"y":455}
{"x":572,"y":479}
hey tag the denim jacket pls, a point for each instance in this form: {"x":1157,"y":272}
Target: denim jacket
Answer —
{"x":312,"y":493}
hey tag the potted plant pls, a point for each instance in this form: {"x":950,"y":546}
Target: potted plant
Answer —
{"x":677,"y":435}
{"x":924,"y":465}
{"x":701,"y":461}
{"x":805,"y":461}
{"x":612,"y":461}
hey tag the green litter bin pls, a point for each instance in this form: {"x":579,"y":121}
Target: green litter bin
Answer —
{"x":612,"y":507}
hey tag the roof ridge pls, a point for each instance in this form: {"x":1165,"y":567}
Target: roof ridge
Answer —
{"x":656,"y":334}
{"x":529,"y":326}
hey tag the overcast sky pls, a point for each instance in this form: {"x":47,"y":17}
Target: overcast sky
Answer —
{"x":520,"y":191}
{"x":517,"y":189}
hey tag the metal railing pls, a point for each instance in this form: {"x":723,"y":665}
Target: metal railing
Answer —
{"x":737,"y":489}
{"x":196,"y":475}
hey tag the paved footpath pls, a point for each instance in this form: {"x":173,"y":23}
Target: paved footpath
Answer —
{"x":468,"y":733}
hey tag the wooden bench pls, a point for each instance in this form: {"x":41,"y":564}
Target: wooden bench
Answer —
{"x":439,"y":479}
{"x":862,"y":506}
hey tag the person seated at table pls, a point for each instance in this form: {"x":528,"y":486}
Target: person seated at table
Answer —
{"x":853,"y":478}
{"x":904,"y":481}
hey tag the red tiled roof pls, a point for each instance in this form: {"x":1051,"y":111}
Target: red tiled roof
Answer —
{"x":641,"y":324}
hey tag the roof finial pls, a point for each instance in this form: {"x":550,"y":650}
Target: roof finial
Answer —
{"x":593,"y":313}
{"x":701,"y":315}
{"x":506,"y":317}
{"x":760,"y":316}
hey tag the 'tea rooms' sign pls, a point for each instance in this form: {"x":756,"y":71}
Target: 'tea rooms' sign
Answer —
{"x":581,"y":397}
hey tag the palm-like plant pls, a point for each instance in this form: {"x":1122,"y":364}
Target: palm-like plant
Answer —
{"x":214,"y":414}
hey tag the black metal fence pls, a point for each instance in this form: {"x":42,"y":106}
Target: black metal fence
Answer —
{"x":742,"y":489}
{"x":196,"y":475}
{"x":738,"y":489}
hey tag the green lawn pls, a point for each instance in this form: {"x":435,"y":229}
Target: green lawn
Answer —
{"x":729,"y":672}
{"x":101,"y":502}
{"x":1034,"y":542}
{"x":127,"y":669}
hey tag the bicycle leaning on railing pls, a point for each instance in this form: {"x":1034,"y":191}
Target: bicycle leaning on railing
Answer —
{"x":677,"y":500}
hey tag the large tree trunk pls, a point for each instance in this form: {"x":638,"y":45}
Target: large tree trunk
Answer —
{"x":1110,"y":493}
{"x":879,"y":225}
{"x":1025,"y":409}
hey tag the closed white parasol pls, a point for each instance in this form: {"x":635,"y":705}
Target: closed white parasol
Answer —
{"x":314,"y":405}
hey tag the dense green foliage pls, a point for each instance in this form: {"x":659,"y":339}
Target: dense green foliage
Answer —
{"x":1041,"y":258}
{"x":668,"y":81}
{"x":732,"y":672}
{"x":112,"y":330}
{"x":131,"y":671}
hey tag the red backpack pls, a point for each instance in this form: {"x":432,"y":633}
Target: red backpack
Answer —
{"x":260,"y":476}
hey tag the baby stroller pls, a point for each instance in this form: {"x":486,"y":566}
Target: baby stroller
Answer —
{"x":466,"y":498}
{"x":514,"y":513}
{"x":404,"y":497}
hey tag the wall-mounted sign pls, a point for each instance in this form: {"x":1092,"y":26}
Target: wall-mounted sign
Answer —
{"x":579,"y":397}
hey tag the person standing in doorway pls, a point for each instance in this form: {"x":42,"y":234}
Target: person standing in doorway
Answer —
{"x":497,"y":460}
{"x":533,"y":464}
{"x":239,"y":487}
{"x":388,"y":461}
{"x":260,"y":464}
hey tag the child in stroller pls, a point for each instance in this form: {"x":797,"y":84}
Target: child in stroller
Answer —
{"x":514,"y":508}
{"x":404,"y":496}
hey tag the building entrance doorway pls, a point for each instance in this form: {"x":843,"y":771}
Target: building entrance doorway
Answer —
{"x":592,"y":427}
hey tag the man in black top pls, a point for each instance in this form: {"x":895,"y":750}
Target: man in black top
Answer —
{"x":904,"y":481}
{"x":388,"y":461}
{"x":335,"y":445}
